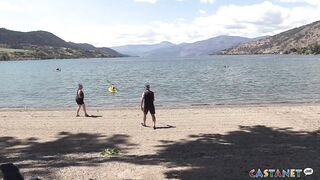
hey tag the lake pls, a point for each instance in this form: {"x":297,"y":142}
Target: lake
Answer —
{"x":214,"y":80}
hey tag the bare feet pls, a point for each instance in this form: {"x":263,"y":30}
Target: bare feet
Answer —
{"x":77,"y":115}
{"x":154,"y":128}
{"x":143,"y":125}
{"x":86,"y":115}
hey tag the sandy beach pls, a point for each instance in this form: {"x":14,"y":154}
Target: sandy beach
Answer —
{"x":190,"y":143}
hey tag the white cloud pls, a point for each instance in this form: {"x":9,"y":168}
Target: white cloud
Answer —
{"x":202,"y":11}
{"x":250,"y":20}
{"x":8,"y":7}
{"x":291,"y":1}
{"x":147,"y":1}
{"x":154,"y":1}
{"x":311,"y":2}
{"x":266,"y":18}
{"x":254,"y":20}
{"x":207,"y":1}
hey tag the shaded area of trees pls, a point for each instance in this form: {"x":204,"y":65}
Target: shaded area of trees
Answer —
{"x":200,"y":156}
{"x":232,"y":156}
{"x":312,"y":49}
{"x":47,"y":52}
{"x":67,"y":150}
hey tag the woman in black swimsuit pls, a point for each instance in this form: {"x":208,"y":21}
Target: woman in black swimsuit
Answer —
{"x":79,"y":100}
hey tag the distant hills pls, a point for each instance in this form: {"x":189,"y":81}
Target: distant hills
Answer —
{"x":142,"y":49}
{"x":199,"y":48}
{"x":16,"y":45}
{"x":45,"y":45}
{"x":301,"y":40}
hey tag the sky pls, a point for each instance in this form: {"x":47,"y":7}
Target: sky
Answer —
{"x":107,"y":23}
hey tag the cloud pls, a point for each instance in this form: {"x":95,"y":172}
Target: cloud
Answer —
{"x":252,"y":20}
{"x":207,"y":1}
{"x":120,"y":34}
{"x":311,"y":2}
{"x":202,"y":11}
{"x":8,"y":7}
{"x":264,"y":18}
{"x":154,"y":1}
{"x":147,"y":1}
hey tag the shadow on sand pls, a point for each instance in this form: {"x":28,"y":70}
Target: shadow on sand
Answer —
{"x":166,"y":127}
{"x":95,"y":116}
{"x":231,"y":156}
{"x":201,"y":156}
{"x":81,"y":149}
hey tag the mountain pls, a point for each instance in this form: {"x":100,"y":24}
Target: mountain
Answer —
{"x":199,"y":48}
{"x":40,"y":38}
{"x":141,"y":49}
{"x":89,"y":47}
{"x":45,"y":45}
{"x":301,"y":40}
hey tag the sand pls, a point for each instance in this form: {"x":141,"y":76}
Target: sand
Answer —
{"x":190,"y":143}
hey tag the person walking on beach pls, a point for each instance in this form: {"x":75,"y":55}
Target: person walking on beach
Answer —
{"x":80,"y":102}
{"x":147,"y":100}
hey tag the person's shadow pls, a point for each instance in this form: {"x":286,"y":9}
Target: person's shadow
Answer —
{"x":94,"y":116}
{"x":165,"y":127}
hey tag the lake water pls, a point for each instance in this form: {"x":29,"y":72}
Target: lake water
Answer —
{"x":211,"y":80}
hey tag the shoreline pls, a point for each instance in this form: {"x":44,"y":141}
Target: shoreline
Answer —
{"x":57,"y":59}
{"x":162,"y":107}
{"x":209,"y":55}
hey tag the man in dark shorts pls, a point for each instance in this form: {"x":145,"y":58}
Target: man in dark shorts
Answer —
{"x":147,"y":105}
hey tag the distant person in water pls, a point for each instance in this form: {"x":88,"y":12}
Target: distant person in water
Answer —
{"x":113,"y":88}
{"x":80,"y":102}
{"x":147,"y":105}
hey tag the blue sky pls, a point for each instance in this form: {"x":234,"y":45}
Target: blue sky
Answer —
{"x":118,"y":22}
